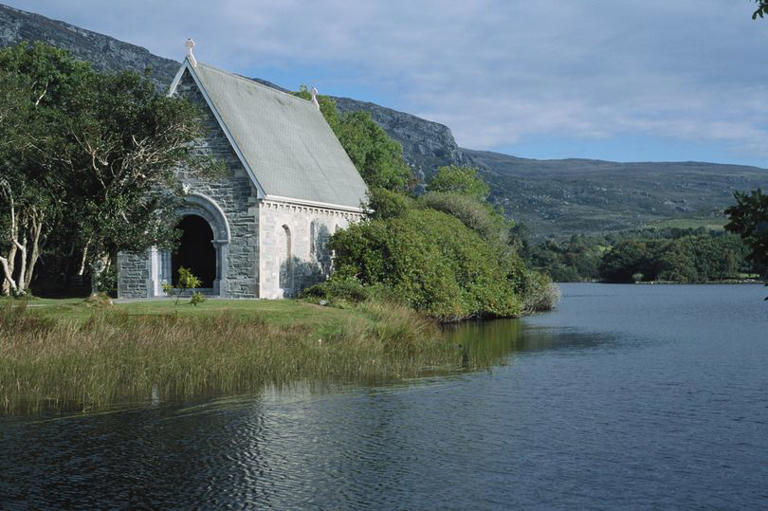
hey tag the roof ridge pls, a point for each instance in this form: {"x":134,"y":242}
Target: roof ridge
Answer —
{"x":254,"y":82}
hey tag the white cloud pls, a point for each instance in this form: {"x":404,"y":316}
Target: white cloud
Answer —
{"x":495,"y":71}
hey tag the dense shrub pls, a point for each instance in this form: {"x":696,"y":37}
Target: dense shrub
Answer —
{"x":462,"y":180}
{"x":446,"y":254}
{"x":383,"y":203}
{"x":433,"y":262}
{"x":478,"y":216}
{"x":338,"y":288}
{"x":538,"y":291}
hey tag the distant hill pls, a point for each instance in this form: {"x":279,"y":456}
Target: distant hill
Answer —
{"x":563,"y":197}
{"x":553,"y":197}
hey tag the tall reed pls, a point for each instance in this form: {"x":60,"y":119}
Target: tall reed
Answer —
{"x":115,"y":357}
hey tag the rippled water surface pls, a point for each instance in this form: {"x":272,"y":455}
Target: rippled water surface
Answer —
{"x":627,"y":396}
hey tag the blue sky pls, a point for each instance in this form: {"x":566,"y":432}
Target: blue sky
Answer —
{"x":627,"y":80}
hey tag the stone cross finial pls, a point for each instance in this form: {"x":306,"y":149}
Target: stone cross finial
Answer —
{"x":313,"y":92}
{"x":190,"y":56}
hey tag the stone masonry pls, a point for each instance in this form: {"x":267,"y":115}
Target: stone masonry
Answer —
{"x":265,"y":248}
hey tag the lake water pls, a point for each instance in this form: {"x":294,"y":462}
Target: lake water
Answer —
{"x":625,"y":397}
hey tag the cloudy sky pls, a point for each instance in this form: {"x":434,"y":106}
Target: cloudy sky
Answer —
{"x":628,"y":80}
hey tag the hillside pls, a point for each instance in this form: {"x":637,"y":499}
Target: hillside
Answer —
{"x":554,"y":197}
{"x":104,"y":52}
{"x":562,"y":197}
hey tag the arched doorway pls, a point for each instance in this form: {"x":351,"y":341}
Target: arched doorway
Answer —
{"x":196,"y":250}
{"x":204,"y":247}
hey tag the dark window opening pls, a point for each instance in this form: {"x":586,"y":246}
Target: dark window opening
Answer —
{"x":195,"y":251}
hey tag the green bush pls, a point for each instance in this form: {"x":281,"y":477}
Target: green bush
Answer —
{"x":338,"y":288}
{"x":538,"y":291}
{"x":383,"y":203}
{"x":462,"y":180}
{"x":478,"y":216}
{"x":197,"y":298}
{"x":432,"y":262}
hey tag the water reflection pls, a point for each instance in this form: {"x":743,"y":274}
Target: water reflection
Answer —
{"x":491,"y":343}
{"x":626,"y":409}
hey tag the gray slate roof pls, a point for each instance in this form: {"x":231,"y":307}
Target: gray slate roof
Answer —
{"x":285,"y":140}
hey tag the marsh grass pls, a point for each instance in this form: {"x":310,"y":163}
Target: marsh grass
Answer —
{"x":95,"y":359}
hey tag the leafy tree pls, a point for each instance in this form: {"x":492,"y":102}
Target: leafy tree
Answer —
{"x":676,"y":264}
{"x":104,"y":148}
{"x":762,"y":9}
{"x":128,"y":142}
{"x":377,"y":157}
{"x":38,"y":88}
{"x":749,"y":219}
{"x":462,"y":180}
{"x":475,"y":214}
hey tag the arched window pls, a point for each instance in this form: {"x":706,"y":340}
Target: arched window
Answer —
{"x":286,"y":260}
{"x":313,"y":240}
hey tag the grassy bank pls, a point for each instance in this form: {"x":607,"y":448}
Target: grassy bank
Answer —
{"x":65,"y":354}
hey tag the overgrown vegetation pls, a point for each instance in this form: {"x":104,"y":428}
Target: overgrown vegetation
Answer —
{"x":83,"y":358}
{"x":446,"y":253}
{"x":432,"y":262}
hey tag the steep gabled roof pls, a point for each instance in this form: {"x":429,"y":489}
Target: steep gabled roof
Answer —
{"x":283,"y":141}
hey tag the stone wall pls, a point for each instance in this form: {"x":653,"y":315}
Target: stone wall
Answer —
{"x":235,"y":194}
{"x":134,"y":275}
{"x":283,"y":272}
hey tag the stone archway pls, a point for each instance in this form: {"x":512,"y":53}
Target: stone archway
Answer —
{"x":204,"y":246}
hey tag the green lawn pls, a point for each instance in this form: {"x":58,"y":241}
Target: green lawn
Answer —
{"x":276,"y":312}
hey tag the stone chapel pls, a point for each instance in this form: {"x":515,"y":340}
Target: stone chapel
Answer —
{"x":261,"y":231}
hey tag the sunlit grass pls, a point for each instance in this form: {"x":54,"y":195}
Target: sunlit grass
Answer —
{"x":66,"y":355}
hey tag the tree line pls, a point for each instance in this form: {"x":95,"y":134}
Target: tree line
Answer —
{"x":669,"y":254}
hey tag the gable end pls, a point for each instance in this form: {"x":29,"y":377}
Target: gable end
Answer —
{"x":187,"y":70}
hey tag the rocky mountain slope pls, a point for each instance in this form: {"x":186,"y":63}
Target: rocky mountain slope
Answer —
{"x":104,"y":52}
{"x":426,"y":144}
{"x":554,"y":197}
